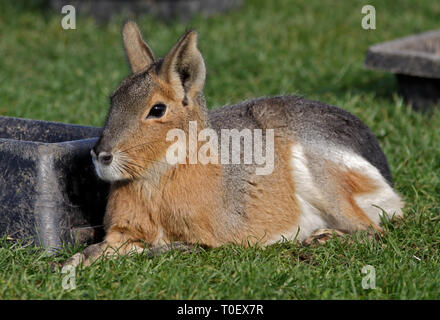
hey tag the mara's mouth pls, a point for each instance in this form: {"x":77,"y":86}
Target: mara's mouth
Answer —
{"x":112,"y":167}
{"x":120,"y":166}
{"x":106,"y":172}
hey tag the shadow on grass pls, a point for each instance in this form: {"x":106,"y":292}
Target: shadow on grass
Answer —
{"x":383,"y":86}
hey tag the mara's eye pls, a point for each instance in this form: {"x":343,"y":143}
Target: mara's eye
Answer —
{"x":157,"y":111}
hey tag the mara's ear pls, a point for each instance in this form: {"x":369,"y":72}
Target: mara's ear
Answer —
{"x":138,"y":53}
{"x":184,"y":68}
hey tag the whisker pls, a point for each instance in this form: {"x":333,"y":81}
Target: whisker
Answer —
{"x":151,"y":142}
{"x":127,"y":164}
{"x":151,"y":161}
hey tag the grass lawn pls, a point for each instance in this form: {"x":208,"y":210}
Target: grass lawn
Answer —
{"x":314,"y":48}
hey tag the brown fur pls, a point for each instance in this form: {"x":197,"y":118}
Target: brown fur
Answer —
{"x":179,"y":209}
{"x":274,"y":215}
{"x":186,"y":207}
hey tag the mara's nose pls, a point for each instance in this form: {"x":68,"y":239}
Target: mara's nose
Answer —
{"x":105,"y":158}
{"x":102,"y":153}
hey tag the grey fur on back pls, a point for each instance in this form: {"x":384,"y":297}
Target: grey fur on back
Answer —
{"x":309,"y":122}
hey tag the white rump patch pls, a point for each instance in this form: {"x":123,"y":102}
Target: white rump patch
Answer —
{"x":374,"y":204}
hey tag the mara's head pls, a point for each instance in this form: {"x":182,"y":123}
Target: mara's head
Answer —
{"x":159,"y":95}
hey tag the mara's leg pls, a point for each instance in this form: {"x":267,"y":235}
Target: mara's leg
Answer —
{"x":87,"y":256}
{"x":115,"y":243}
{"x":130,"y":228}
{"x":114,"y":246}
{"x":362,"y":198}
{"x":340,"y":191}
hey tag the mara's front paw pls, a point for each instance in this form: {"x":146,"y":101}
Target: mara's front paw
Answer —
{"x":73,"y":261}
{"x":84,"y":258}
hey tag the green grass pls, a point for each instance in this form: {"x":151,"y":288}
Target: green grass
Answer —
{"x":315,"y":48}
